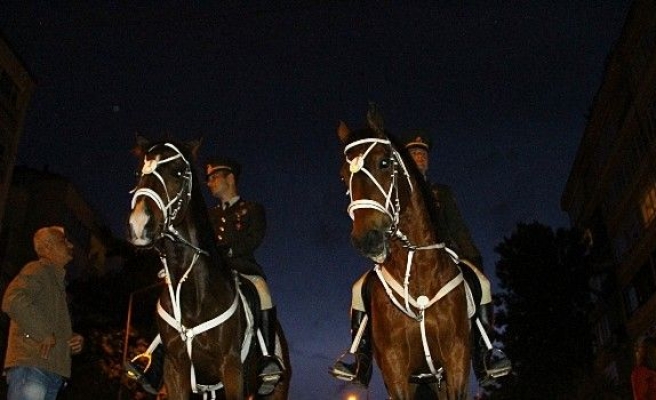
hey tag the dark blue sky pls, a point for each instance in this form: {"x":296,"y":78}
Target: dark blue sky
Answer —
{"x":504,"y":90}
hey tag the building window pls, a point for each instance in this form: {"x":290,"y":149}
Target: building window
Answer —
{"x":629,"y":232}
{"x":641,"y":288}
{"x":602,"y":333}
{"x":648,"y":205}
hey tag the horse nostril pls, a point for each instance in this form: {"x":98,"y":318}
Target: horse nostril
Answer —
{"x":369,"y":243}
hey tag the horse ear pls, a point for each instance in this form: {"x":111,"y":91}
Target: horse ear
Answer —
{"x":375,"y":119}
{"x":142,"y":145}
{"x":194,"y":145}
{"x":343,"y":132}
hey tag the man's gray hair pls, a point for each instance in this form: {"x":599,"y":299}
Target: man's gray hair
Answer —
{"x":44,"y":236}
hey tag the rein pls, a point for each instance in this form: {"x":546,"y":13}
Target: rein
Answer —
{"x":392,"y":208}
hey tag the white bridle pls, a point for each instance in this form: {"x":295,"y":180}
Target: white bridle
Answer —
{"x":392,"y":205}
{"x":150,"y":168}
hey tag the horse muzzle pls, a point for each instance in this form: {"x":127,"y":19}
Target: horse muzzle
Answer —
{"x":373,"y":245}
{"x":141,"y":230}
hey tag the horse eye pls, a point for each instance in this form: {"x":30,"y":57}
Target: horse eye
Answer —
{"x":385,"y":163}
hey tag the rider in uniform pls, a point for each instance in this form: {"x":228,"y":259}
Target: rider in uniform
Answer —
{"x":239,"y":228}
{"x":488,"y":363}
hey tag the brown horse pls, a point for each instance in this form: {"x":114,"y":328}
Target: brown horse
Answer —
{"x":417,"y":302}
{"x":205,"y":325}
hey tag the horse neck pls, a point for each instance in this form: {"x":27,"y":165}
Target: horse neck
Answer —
{"x":428,"y":266}
{"x":415,"y":221}
{"x":206,"y":270}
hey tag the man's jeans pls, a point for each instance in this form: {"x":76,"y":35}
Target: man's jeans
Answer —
{"x":29,"y":383}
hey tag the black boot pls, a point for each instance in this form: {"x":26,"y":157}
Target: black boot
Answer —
{"x":270,"y":365}
{"x":359,"y":371}
{"x":147,"y":370}
{"x":488,"y":363}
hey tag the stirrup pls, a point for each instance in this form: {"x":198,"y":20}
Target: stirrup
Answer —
{"x":348,"y":371}
{"x":503,"y":369}
{"x":131,"y":370}
{"x":270,"y":375}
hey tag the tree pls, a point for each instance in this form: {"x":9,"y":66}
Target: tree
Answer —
{"x":543,"y":310}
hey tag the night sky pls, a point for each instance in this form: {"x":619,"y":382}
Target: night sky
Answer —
{"x":504,"y":90}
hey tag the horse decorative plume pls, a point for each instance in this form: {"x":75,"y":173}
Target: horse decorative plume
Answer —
{"x":417,"y":303}
{"x":206,"y":325}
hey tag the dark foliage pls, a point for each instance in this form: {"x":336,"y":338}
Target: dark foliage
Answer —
{"x":543,"y":312}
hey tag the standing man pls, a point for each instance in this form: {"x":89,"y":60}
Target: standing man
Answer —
{"x":239,"y":227}
{"x":41,"y":340}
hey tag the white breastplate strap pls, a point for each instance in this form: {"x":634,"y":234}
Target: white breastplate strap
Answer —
{"x":187,"y":334}
{"x":421,"y":303}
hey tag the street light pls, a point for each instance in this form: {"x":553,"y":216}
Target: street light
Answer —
{"x":128,"y":321}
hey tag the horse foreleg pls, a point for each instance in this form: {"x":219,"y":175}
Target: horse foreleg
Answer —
{"x":233,"y":378}
{"x":178,"y":385}
{"x":400,"y":390}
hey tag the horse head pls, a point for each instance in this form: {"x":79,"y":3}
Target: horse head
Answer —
{"x":378,"y":184}
{"x":163,"y":190}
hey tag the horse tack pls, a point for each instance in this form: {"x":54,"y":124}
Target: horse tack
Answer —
{"x":390,"y":205}
{"x":422,"y":302}
{"x":186,"y":334}
{"x":181,"y":235}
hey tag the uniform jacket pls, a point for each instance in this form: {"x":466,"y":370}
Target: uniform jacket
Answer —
{"x":239,"y":231}
{"x":451,"y":226}
{"x":35,"y":301}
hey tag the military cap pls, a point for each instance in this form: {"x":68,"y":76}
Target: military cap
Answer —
{"x":417,"y":138}
{"x":222,"y":164}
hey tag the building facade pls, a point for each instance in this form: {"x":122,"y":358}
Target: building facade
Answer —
{"x":611,"y":195}
{"x":16,"y":87}
{"x":40,"y":198}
